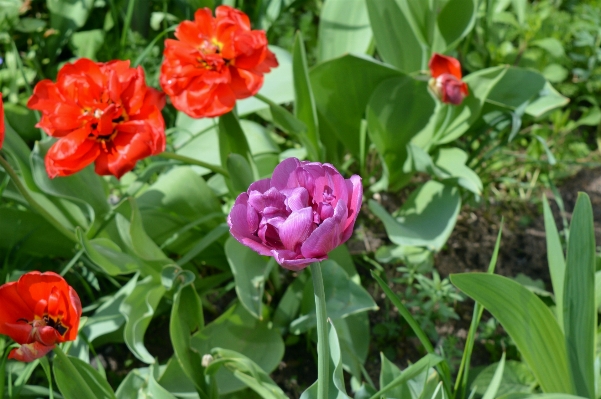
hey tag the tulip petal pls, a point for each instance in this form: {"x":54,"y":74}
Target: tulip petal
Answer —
{"x":12,"y":310}
{"x":327,"y":235}
{"x":282,"y":173}
{"x":291,"y":261}
{"x":440,"y":64}
{"x":296,"y":199}
{"x":296,"y":228}
{"x":355,"y":190}
{"x":30,"y":352}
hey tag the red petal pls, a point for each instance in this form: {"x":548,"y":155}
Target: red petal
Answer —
{"x":12,"y":310}
{"x":440,"y":64}
{"x":30,"y":352}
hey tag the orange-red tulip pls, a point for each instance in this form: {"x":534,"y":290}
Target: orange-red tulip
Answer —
{"x":214,"y":62}
{"x":102,"y":113}
{"x":446,"y":80}
{"x":38,"y":311}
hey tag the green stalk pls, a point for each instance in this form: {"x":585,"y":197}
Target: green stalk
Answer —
{"x":323,"y":352}
{"x":127,"y":23}
{"x":33,"y":203}
{"x":81,"y":382}
{"x":192,"y":161}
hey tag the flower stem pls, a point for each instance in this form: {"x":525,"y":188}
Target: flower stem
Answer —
{"x":192,"y":161}
{"x":323,"y":352}
{"x":74,"y":373}
{"x":33,"y":203}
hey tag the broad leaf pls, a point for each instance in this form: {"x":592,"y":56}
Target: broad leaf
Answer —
{"x":528,"y":321}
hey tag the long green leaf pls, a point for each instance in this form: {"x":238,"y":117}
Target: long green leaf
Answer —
{"x":493,"y":388}
{"x":579,"y":315}
{"x":528,"y":321}
{"x":557,"y":263}
{"x":304,"y":101}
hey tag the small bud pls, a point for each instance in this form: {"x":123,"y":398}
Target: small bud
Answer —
{"x":206,"y":360}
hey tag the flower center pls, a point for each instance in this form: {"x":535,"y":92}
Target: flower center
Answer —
{"x":103,"y":124}
{"x":46,"y":321}
{"x":210,"y":55}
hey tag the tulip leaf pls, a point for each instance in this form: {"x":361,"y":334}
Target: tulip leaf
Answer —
{"x":343,"y":28}
{"x":579,"y":313}
{"x":548,"y":100}
{"x":426,"y":219}
{"x":398,"y":109}
{"x":517,"y":377}
{"x":138,"y":309}
{"x":336,"y":389}
{"x":232,"y":138}
{"x":68,"y":383}
{"x":241,"y":174}
{"x":340,"y":107}
{"x":250,"y":272}
{"x":539,"y":396}
{"x":344,"y":297}
{"x":247,"y":371}
{"x":304,"y":101}
{"x":30,"y":233}
{"x":186,"y":317}
{"x":84,"y":188}
{"x":108,"y":256}
{"x":495,"y":383}
{"x":354,"y":337}
{"x":528,"y":321}
{"x":556,"y":260}
{"x":239,"y":331}
{"x":456,"y":20}
{"x":277,"y":85}
{"x":398,"y":42}
{"x":453,"y":161}
{"x":107,"y":318}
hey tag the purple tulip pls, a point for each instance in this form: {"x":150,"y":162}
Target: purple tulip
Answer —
{"x":299,"y":215}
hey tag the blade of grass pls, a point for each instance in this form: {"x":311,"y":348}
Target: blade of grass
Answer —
{"x":557,"y":263}
{"x":462,"y":375}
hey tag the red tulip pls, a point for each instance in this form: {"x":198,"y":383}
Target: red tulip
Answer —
{"x":102,"y":113}
{"x":38,"y":311}
{"x":446,"y":80}
{"x":215,"y":62}
{"x":1,"y":121}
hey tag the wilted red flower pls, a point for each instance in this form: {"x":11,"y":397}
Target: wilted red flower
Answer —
{"x":214,"y":62}
{"x":1,"y":121}
{"x":102,"y":113}
{"x":299,"y":215}
{"x":446,"y":80}
{"x":38,"y":311}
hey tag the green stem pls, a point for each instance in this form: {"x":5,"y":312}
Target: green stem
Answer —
{"x":33,"y":203}
{"x":192,"y":161}
{"x":323,"y":352}
{"x":73,"y":373}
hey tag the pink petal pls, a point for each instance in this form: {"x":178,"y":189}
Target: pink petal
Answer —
{"x":296,"y":199}
{"x":297,"y":227}
{"x":283,"y":172}
{"x":355,"y":190}
{"x":327,"y":236}
{"x":260,"y":185}
{"x":287,"y":259}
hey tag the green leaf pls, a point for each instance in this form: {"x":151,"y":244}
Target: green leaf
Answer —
{"x":68,"y":384}
{"x":336,"y":389}
{"x":517,"y":377}
{"x":539,"y":396}
{"x":85,"y":188}
{"x":341,"y":103}
{"x":343,"y":28}
{"x":456,"y":20}
{"x":354,"y":338}
{"x":551,"y":45}
{"x":495,"y":383}
{"x":87,"y":43}
{"x":155,"y":390}
{"x":241,"y":173}
{"x":398,"y":43}
{"x":343,"y":297}
{"x":232,"y":139}
{"x":528,"y":321}
{"x":250,"y":272}
{"x":579,"y":313}
{"x":30,"y":233}
{"x":557,"y":265}
{"x":388,"y":373}
{"x":516,"y":87}
{"x":426,"y":219}
{"x":108,"y":255}
{"x":107,"y":318}
{"x":453,"y":161}
{"x":239,"y":331}
{"x":410,"y":372}
{"x":398,"y":109}
{"x":246,"y":371}
{"x":186,"y":317}
{"x":304,"y":102}
{"x":138,"y":309}
{"x":547,"y":100}
{"x":21,"y":117}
